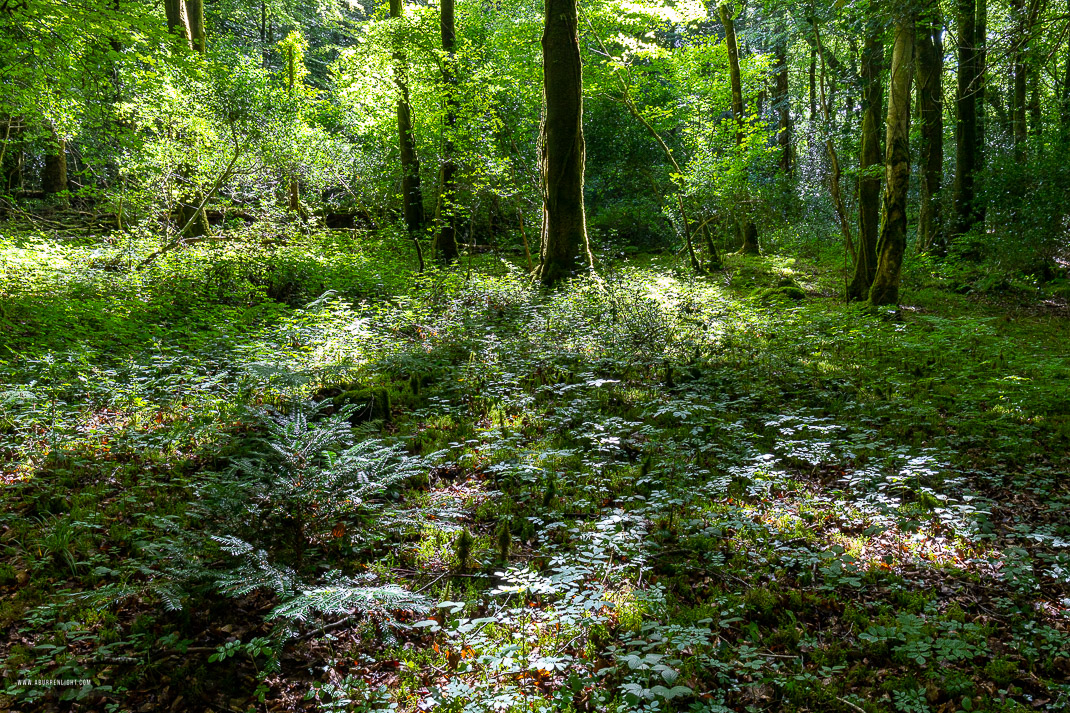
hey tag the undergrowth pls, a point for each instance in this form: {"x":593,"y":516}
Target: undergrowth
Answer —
{"x":286,"y":474}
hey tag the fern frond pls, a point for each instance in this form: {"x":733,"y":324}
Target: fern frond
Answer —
{"x":345,"y":598}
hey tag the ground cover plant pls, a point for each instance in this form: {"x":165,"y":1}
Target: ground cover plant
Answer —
{"x":559,"y":356}
{"x":643,"y":491}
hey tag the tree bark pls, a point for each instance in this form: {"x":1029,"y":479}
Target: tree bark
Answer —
{"x":197,"y":35}
{"x":54,"y":172}
{"x":294,"y":189}
{"x":782,"y":103}
{"x":813,"y":85}
{"x":1018,"y":72}
{"x":930,"y":63}
{"x":1025,"y":14}
{"x":177,"y":20}
{"x":1064,"y":104}
{"x":445,"y":211}
{"x":966,"y":121}
{"x":981,"y":59}
{"x":892,"y":243}
{"x":747,"y":228}
{"x":411,"y":192}
{"x":562,"y":151}
{"x":869,"y":183}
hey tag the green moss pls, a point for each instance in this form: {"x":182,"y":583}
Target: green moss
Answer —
{"x":1001,"y":671}
{"x":371,"y":404}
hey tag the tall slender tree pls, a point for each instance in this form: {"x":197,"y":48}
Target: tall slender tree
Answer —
{"x":445,"y":209}
{"x":892,"y":243}
{"x":561,"y":148}
{"x":966,"y":119}
{"x":411,"y":192}
{"x":930,"y":69}
{"x":981,"y":124}
{"x":782,"y":101}
{"x":747,"y":229}
{"x":869,"y":182}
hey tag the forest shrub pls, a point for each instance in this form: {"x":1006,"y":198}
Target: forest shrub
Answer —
{"x":1028,"y":216}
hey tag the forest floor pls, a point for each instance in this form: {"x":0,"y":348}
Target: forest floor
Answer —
{"x":645,"y":491}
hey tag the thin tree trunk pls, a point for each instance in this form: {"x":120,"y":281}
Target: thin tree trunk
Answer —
{"x":966,"y":122}
{"x":291,"y":84}
{"x":835,"y":173}
{"x":411,"y":193}
{"x":782,"y":103}
{"x":1018,"y":72}
{"x":892,"y":243}
{"x":746,"y":226}
{"x":813,"y":85}
{"x":930,"y":65}
{"x":1034,"y":100}
{"x":629,"y":103}
{"x":869,"y":183}
{"x":981,"y":69}
{"x":1064,"y":105}
{"x":445,"y":217}
{"x":1025,"y":15}
{"x":564,"y":247}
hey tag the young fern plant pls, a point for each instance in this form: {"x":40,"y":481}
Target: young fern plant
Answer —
{"x":299,"y":487}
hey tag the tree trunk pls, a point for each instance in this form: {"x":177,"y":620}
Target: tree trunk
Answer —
{"x":177,"y":20}
{"x":294,"y":190}
{"x":1025,"y":14}
{"x":747,"y":228}
{"x":981,"y":60}
{"x":869,"y":183}
{"x":195,"y":17}
{"x":813,"y":85}
{"x":1035,"y":125}
{"x":562,"y":150}
{"x":411,"y":193}
{"x":966,"y":122}
{"x":1064,"y":105}
{"x":931,"y":112}
{"x":54,"y":172}
{"x":445,"y":211}
{"x":1018,"y":72}
{"x":782,"y":103}
{"x":892,"y":243}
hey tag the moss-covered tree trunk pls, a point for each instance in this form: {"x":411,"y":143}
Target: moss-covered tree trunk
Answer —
{"x":411,"y":193}
{"x":562,"y":151}
{"x":445,"y":210}
{"x":747,"y":229}
{"x":869,"y":183}
{"x":930,"y":68}
{"x":966,"y":121}
{"x":892,"y":243}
